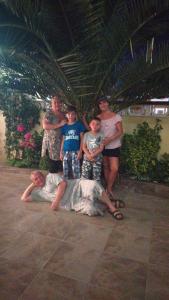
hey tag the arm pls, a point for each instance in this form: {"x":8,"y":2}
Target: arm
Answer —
{"x":85,"y":121}
{"x":119,"y":132}
{"x":81,"y":146}
{"x":59,"y":194}
{"x":47,"y":125}
{"x":86,"y":151}
{"x":61,"y":148}
{"x":26,"y":196}
{"x":98,"y":150}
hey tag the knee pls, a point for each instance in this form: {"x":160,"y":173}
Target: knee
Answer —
{"x":114,"y":170}
{"x":106,"y":166}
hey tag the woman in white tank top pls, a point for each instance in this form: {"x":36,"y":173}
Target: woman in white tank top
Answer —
{"x":111,"y":127}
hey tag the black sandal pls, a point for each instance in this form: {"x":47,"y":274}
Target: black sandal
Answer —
{"x":119,"y":203}
{"x":117,"y":215}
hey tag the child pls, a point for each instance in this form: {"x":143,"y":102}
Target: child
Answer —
{"x":93,"y":145}
{"x":71,"y":146}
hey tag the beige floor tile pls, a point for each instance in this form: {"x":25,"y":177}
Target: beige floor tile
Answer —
{"x":64,"y":255}
{"x":157,"y":287}
{"x":32,"y":249}
{"x":14,"y":278}
{"x":89,"y":234}
{"x":75,"y":261}
{"x":54,"y":287}
{"x":128,"y":244}
{"x":55,"y":225}
{"x":126,"y":278}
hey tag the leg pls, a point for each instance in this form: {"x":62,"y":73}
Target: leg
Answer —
{"x":97,"y":167}
{"x":86,"y":169}
{"x":75,"y":166}
{"x":111,"y":172}
{"x":115,"y":213}
{"x":106,"y":168}
{"x":66,"y":165}
{"x":94,"y":190}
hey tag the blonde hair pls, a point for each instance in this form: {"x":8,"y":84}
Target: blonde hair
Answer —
{"x":36,"y":172}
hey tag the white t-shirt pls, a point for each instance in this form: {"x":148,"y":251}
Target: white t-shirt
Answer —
{"x":108,"y":128}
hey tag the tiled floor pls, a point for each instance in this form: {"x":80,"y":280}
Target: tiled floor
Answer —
{"x":62,"y":255}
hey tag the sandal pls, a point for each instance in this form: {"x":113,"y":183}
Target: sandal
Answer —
{"x":117,"y":202}
{"x":116,"y":214}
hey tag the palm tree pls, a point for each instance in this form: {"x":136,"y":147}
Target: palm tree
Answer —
{"x":85,"y":48}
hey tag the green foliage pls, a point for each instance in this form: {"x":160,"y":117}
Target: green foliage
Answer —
{"x":29,"y":157}
{"x":44,"y":163}
{"x":103,"y":48}
{"x":23,"y":144}
{"x":140,"y":151}
{"x":162,"y":171}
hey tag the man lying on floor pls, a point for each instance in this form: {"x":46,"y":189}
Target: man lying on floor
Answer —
{"x":82,"y":195}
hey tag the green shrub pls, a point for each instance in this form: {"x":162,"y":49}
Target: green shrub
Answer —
{"x":140,"y":150}
{"x":162,"y":173}
{"x":29,"y":152}
{"x":44,"y":163}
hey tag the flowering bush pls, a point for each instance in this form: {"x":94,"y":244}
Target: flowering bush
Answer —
{"x":20,"y":127}
{"x":23,"y":146}
{"x":28,"y":136}
{"x":30,"y":149}
{"x":28,"y":142}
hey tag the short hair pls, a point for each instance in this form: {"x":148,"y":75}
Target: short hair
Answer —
{"x":55,"y":95}
{"x":58,"y":98}
{"x":71,"y":108}
{"x":95,"y":119}
{"x":36,"y":172}
{"x":102,"y":98}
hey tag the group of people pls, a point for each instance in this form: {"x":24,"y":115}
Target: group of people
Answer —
{"x":79,"y":150}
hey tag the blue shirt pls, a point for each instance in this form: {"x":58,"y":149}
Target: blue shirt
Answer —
{"x":72,"y":136}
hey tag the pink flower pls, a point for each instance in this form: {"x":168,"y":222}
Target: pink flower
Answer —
{"x":30,"y":144}
{"x":27,"y":136}
{"x":20,"y":127}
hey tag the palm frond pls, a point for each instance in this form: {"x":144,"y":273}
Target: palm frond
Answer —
{"x":86,"y":48}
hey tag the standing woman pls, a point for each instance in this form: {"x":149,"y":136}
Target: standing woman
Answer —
{"x":111,"y":127}
{"x":53,"y":120}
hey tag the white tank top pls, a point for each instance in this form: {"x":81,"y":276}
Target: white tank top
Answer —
{"x":108,"y":128}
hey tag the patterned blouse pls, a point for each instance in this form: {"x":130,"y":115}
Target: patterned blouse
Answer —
{"x":52,"y":138}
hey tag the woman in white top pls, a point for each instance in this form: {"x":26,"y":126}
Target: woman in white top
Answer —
{"x":111,"y":127}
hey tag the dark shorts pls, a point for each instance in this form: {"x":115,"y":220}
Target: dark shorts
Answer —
{"x":111,"y":152}
{"x":55,"y":166}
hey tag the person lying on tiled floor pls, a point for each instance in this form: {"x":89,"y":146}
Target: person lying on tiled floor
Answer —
{"x":82,"y":195}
